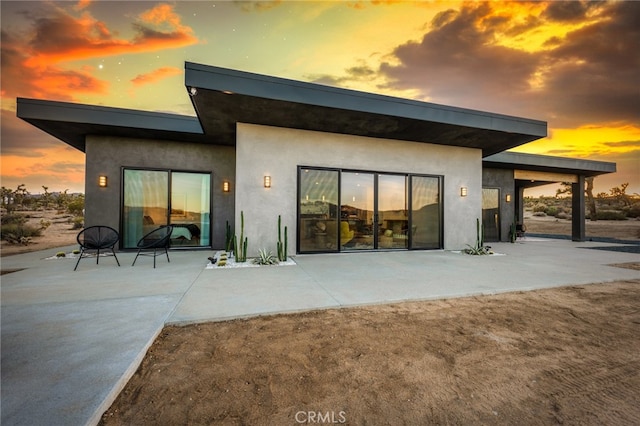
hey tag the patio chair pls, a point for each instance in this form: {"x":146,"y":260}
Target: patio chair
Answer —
{"x":158,"y":239}
{"x":96,"y":238}
{"x":520,"y":230}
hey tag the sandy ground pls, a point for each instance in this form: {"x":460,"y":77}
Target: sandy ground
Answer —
{"x":619,"y":229}
{"x":58,"y":234}
{"x":559,"y":356}
{"x":554,"y":356}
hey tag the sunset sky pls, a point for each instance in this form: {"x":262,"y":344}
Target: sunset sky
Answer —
{"x":573,"y":64}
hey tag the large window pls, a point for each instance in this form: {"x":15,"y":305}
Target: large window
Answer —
{"x":359,"y":210}
{"x":426,"y":206}
{"x":318,"y":210}
{"x":152,"y":198}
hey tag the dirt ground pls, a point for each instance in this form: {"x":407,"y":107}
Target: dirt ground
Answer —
{"x":619,"y":229}
{"x":58,"y":234}
{"x":559,"y":356}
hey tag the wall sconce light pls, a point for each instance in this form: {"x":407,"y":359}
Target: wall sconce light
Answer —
{"x":508,"y":198}
{"x":463,"y":191}
{"x":225,"y":186}
{"x":267,"y":181}
{"x":102,"y":181}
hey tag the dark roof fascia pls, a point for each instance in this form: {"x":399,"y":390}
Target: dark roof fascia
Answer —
{"x":546,"y":163}
{"x":71,"y":122}
{"x":268,"y":87}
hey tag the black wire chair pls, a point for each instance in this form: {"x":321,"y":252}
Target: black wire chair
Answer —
{"x":159,"y":238}
{"x":97,"y":238}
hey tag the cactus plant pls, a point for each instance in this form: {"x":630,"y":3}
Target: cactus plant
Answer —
{"x":479,"y":248}
{"x":228,"y":242}
{"x":282,"y":247}
{"x":241,"y":252}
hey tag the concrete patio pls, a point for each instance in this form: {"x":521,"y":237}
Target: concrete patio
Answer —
{"x":71,"y":340}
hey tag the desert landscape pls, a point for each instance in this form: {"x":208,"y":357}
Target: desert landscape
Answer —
{"x":557,"y":356}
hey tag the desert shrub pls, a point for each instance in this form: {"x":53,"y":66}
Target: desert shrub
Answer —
{"x":633,"y":210}
{"x":540,"y":214}
{"x":61,"y":254}
{"x":77,"y":223}
{"x":551,"y":211}
{"x":44,"y":224}
{"x":13,"y":218}
{"x":540,"y":208}
{"x":19,"y":233}
{"x":611,"y":215}
{"x":563,"y":215}
{"x":76,"y":206}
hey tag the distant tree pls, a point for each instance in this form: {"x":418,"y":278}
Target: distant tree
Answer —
{"x":7,"y":198}
{"x":591,"y":202}
{"x":46,"y":198}
{"x":619,"y":193}
{"x":20,"y":195}
{"x":565,"y":188}
{"x":62,"y":199}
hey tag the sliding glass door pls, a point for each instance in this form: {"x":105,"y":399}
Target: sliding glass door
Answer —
{"x":153,"y":198}
{"x":318,"y":210}
{"x":357,"y":208}
{"x":354,"y":211}
{"x":392,"y":217}
{"x":426,"y":207}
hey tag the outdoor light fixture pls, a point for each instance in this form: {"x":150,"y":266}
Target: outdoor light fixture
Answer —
{"x":267,"y":181}
{"x":463,"y":191}
{"x":508,"y":198}
{"x":102,"y":181}
{"x":225,"y":186}
{"x":193,"y":91}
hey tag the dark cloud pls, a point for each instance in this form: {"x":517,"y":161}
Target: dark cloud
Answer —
{"x":590,"y":76}
{"x":457,"y":62}
{"x":259,"y":6}
{"x":22,"y":139}
{"x":594,"y":72}
{"x":360,"y":72}
{"x":567,"y":10}
{"x":622,"y":144}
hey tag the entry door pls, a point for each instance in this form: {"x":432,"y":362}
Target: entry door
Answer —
{"x":491,"y":213}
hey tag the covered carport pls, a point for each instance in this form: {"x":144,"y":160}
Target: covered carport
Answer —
{"x":531,"y":170}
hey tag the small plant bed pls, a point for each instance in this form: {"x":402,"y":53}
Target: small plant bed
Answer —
{"x":223,"y":260}
{"x":72,"y":255}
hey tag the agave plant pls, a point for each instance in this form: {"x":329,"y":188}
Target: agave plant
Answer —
{"x":265,"y":258}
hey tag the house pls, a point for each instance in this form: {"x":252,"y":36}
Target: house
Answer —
{"x":345,"y":170}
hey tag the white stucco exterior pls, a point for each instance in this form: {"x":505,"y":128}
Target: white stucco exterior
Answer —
{"x":277,"y":152}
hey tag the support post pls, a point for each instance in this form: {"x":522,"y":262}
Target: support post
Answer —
{"x":578,"y":225}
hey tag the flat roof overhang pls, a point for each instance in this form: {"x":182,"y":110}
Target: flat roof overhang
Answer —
{"x":71,"y":122}
{"x":544,"y":164}
{"x":223,"y":97}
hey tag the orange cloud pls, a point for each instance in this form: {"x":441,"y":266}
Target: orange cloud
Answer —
{"x":31,"y":65}
{"x":156,"y":75}
{"x":65,"y":38}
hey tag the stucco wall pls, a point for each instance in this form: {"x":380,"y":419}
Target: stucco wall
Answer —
{"x":263,"y":150}
{"x":107,"y":156}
